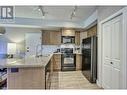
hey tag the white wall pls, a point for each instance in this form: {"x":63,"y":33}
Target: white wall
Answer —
{"x":91,"y":19}
{"x":106,"y":11}
{"x":48,"y":49}
{"x":16,"y":35}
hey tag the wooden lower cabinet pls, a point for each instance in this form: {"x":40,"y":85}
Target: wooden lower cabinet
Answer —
{"x":57,"y":62}
{"x":48,"y":74}
{"x":78,"y":61}
{"x":26,"y":78}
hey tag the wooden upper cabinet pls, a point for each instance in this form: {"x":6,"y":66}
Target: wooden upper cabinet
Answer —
{"x":92,"y":31}
{"x":55,"y":38}
{"x":45,"y":37}
{"x":51,"y":38}
{"x":77,"y":38}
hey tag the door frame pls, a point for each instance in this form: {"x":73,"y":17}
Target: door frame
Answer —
{"x":123,"y":69}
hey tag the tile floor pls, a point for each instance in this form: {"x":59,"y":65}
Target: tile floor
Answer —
{"x":71,"y":80}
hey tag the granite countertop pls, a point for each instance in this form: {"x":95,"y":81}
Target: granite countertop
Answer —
{"x":58,"y":53}
{"x":77,"y":53}
{"x":63,"y":53}
{"x":26,"y":62}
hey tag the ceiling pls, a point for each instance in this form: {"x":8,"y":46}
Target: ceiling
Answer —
{"x":55,"y":13}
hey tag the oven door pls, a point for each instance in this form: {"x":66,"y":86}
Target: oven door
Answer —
{"x":68,"y":60}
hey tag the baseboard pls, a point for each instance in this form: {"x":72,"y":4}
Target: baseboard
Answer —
{"x":99,"y":84}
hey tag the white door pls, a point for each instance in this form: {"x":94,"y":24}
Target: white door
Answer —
{"x":112,"y":35}
{"x":106,"y":75}
{"x":33,"y":40}
{"x":116,"y":51}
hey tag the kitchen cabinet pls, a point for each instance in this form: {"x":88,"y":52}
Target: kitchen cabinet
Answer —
{"x":26,"y":78}
{"x":83,"y":35}
{"x":45,"y":38}
{"x":68,"y":32}
{"x":112,"y":49}
{"x":78,"y":61}
{"x":92,"y":31}
{"x":57,"y":62}
{"x":55,"y":38}
{"x":33,"y":77}
{"x":77,"y":38}
{"x":51,"y":37}
{"x":48,"y":74}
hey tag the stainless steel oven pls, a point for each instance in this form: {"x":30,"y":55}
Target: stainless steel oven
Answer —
{"x":68,"y":60}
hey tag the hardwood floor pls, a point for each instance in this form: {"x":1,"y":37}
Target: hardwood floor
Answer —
{"x":71,"y":80}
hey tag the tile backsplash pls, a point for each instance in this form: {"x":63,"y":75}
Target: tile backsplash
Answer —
{"x":47,"y":49}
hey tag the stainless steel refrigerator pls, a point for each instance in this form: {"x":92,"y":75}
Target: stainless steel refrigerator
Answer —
{"x":89,"y":58}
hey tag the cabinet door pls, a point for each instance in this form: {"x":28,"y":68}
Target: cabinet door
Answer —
{"x":45,"y":37}
{"x":92,"y":31}
{"x":77,"y":38}
{"x":78,"y":62}
{"x":57,"y":62}
{"x":116,"y":51}
{"x":55,"y":38}
{"x":107,"y":69}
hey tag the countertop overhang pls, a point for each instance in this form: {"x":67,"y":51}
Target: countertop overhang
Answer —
{"x":26,"y":62}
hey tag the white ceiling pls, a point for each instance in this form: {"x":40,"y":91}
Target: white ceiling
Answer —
{"x":58,"y":13}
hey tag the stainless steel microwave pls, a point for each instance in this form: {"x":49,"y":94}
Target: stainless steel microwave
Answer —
{"x":68,"y":39}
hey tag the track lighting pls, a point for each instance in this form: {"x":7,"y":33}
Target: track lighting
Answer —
{"x":73,"y":14}
{"x":40,"y":8}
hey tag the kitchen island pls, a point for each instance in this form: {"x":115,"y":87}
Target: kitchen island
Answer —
{"x":34,"y":72}
{"x":28,"y":73}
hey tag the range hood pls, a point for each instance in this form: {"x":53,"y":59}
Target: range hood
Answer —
{"x":68,"y":32}
{"x":2,"y":30}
